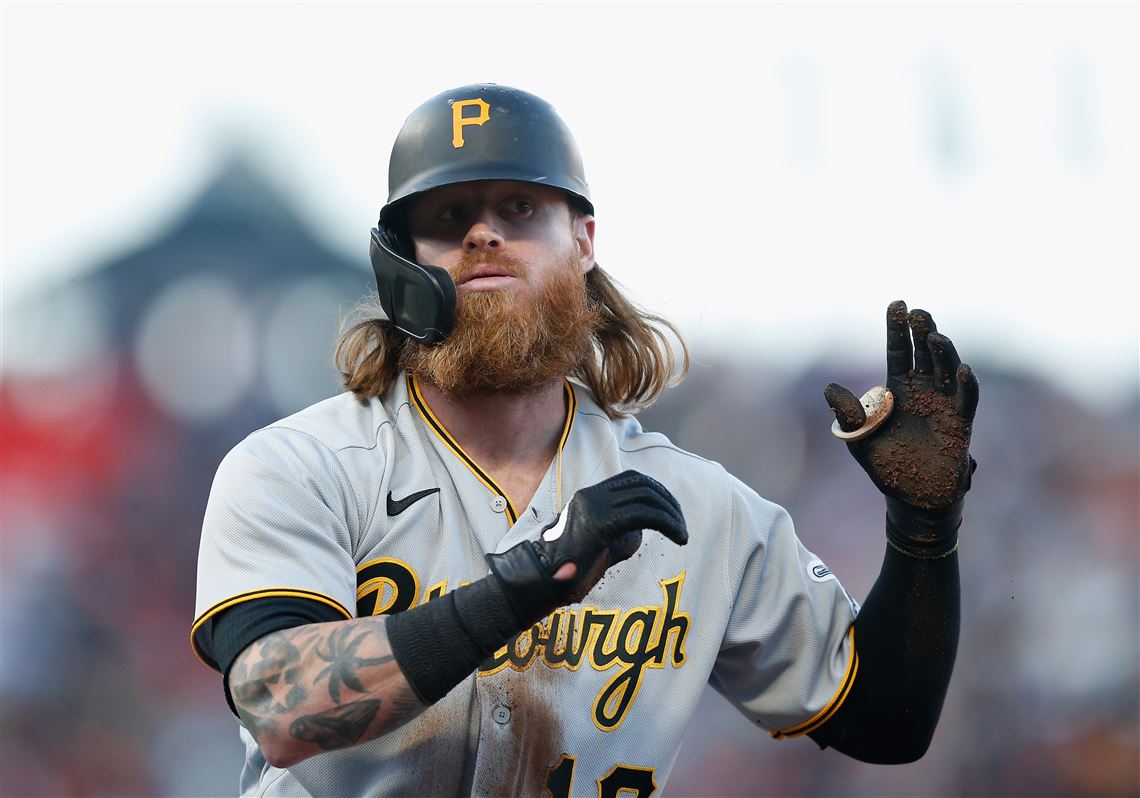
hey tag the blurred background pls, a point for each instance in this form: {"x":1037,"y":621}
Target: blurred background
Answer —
{"x":186,"y":195}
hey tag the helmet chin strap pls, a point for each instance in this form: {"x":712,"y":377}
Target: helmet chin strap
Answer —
{"x":419,"y":300}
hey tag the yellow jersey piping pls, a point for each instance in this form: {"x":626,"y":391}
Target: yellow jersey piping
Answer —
{"x":436,"y":426}
{"x":441,"y":432}
{"x":833,"y":705}
{"x":269,"y":592}
{"x":571,"y":411}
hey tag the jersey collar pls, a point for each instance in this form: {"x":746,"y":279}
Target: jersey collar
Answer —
{"x":437,"y":428}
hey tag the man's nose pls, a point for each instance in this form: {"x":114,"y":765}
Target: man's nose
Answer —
{"x":483,"y":235}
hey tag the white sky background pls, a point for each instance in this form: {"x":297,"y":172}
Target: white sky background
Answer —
{"x":768,"y":175}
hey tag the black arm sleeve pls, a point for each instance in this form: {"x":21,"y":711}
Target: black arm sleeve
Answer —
{"x":223,"y":637}
{"x":907,"y":636}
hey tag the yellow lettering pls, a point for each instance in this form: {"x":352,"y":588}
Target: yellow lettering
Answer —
{"x":675,"y":622}
{"x":564,"y":647}
{"x":636,"y":640}
{"x":385,"y":585}
{"x":459,"y":121}
{"x":521,"y":651}
{"x":435,"y":591}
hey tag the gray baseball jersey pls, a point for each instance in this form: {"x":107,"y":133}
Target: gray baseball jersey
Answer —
{"x":374,"y":508}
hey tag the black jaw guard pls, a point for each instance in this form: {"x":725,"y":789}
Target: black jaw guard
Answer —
{"x":419,"y":300}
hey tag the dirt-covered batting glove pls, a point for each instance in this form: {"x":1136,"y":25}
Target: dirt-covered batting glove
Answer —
{"x":601,"y":526}
{"x":919,"y":457}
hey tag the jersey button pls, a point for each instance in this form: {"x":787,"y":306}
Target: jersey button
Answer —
{"x":501,"y":715}
{"x":498,"y":504}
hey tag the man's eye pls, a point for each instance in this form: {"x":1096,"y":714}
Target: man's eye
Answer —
{"x":519,"y":207}
{"x":452,"y":214}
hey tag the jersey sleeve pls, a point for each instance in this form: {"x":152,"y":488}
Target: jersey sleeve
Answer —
{"x":788,"y":658}
{"x":280,"y":522}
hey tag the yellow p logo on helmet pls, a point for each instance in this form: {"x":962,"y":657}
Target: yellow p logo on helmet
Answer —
{"x":459,"y":121}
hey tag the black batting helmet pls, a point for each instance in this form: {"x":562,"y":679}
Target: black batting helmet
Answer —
{"x":484,"y":132}
{"x":477,"y":132}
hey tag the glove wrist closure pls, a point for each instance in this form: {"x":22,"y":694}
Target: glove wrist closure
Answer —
{"x":529,"y":588}
{"x":921,"y":532}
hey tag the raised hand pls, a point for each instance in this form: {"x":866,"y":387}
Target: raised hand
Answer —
{"x":919,"y":457}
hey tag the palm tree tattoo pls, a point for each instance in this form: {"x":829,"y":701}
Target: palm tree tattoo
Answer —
{"x":344,"y":662}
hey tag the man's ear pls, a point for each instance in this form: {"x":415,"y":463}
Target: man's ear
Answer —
{"x":584,"y":238}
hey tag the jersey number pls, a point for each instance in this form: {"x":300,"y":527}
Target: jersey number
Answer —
{"x":624,"y":780}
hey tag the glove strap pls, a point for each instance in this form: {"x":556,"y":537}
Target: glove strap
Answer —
{"x":923,"y":533}
{"x":526,"y":582}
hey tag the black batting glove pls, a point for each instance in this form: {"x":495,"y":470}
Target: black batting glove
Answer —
{"x":601,"y":526}
{"x":919,"y":458}
{"x":440,"y":642}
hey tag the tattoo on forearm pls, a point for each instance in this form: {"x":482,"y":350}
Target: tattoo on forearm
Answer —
{"x":402,"y":707}
{"x":340,"y":653}
{"x":336,"y":728}
{"x":274,"y":677}
{"x":269,"y":678}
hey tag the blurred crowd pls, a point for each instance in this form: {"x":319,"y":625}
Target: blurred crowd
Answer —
{"x":126,"y":387}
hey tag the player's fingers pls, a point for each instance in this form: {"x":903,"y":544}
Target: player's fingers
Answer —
{"x":624,"y":547}
{"x":898,"y":340}
{"x":667,"y":524}
{"x":946,"y":362}
{"x":633,"y":502}
{"x":623,"y":480}
{"x":632,"y":480}
{"x":966,"y":400}
{"x":646,"y":496}
{"x":641,"y":487}
{"x":627,"y":480}
{"x":849,"y":411}
{"x":666,"y":494}
{"x":921,"y":325}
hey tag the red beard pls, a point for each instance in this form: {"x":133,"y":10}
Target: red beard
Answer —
{"x":503,"y":343}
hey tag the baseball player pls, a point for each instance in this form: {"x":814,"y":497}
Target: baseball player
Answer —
{"x":474,"y":573}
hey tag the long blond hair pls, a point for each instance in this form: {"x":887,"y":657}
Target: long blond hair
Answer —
{"x":631,"y":362}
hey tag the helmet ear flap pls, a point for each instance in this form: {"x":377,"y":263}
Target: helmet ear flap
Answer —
{"x":418,"y":300}
{"x":392,"y":241}
{"x":394,"y":234}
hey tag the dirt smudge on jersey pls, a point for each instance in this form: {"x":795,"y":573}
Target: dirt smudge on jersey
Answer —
{"x":534,"y":739}
{"x":436,"y":742}
{"x":435,"y":720}
{"x":522,"y":766}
